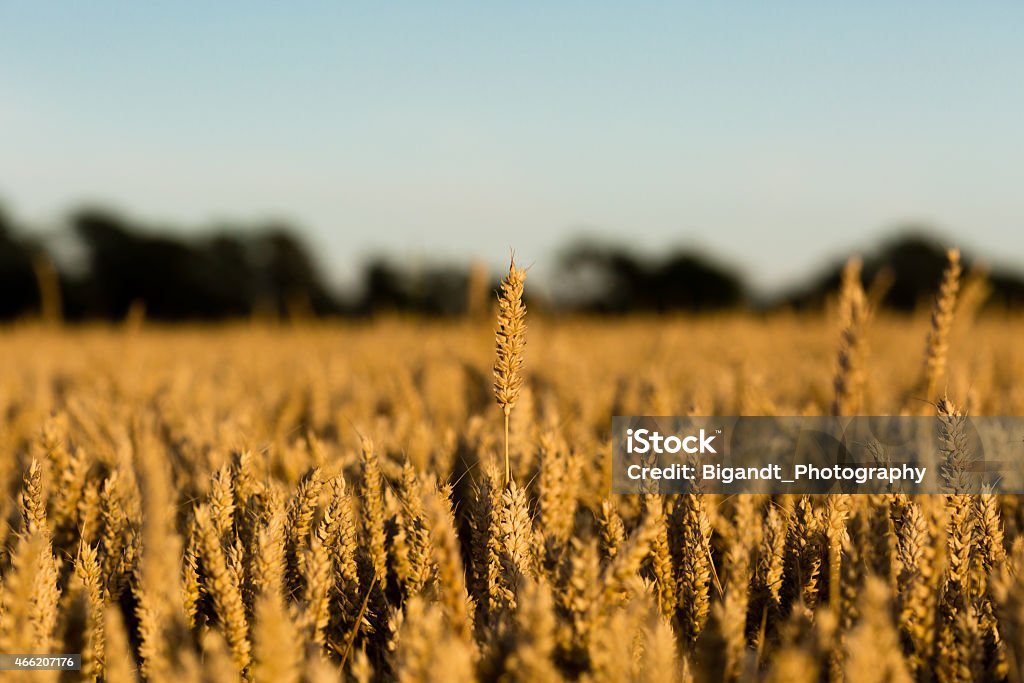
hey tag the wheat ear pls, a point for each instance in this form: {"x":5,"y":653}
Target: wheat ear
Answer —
{"x":942,"y":321}
{"x":849,"y":377}
{"x":510,"y":339}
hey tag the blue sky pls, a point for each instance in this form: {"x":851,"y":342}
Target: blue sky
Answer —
{"x":774,"y":134}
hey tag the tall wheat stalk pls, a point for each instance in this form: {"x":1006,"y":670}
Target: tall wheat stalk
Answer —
{"x":510,"y":340}
{"x":849,"y":377}
{"x":942,"y":321}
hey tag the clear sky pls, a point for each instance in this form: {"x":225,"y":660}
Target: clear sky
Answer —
{"x":772,"y":133}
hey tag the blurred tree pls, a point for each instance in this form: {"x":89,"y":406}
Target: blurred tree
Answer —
{"x":226,"y":275}
{"x":436,"y":289}
{"x":911,"y":263}
{"x":19,"y":291}
{"x":238,"y":271}
{"x":603,"y":278}
{"x":287,"y":273}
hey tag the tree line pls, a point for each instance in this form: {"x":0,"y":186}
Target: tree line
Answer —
{"x":122,"y":268}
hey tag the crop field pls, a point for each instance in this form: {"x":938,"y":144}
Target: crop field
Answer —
{"x":328,"y":501}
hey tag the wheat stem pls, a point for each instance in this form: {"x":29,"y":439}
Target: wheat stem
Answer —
{"x":510,"y":340}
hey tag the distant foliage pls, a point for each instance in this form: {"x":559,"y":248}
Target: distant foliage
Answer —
{"x":123,"y":270}
{"x":602,"y":278}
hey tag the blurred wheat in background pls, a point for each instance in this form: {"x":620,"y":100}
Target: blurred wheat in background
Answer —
{"x":325,"y":502}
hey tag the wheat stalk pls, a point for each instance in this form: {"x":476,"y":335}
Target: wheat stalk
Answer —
{"x":661,"y":557}
{"x":873,"y":651}
{"x":510,"y":341}
{"x":849,"y":377}
{"x":690,"y":531}
{"x":222,"y":585}
{"x":916,"y":551}
{"x":425,"y":640}
{"x":373,"y":508}
{"x":451,"y":581}
{"x":612,"y":530}
{"x":941,"y":322}
{"x":87,"y":568}
{"x":275,"y":640}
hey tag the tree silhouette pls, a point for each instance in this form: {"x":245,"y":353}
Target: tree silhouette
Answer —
{"x":19,"y":292}
{"x":602,"y":278}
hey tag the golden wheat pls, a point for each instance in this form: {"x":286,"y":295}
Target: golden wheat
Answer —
{"x":314,"y":503}
{"x":510,"y":341}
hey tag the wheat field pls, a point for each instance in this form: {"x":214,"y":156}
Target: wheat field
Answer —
{"x":322,"y":502}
